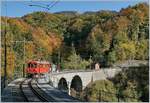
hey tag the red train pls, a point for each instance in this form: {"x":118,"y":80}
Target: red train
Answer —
{"x":38,"y":67}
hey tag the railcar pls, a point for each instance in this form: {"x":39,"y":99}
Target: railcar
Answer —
{"x":38,"y":67}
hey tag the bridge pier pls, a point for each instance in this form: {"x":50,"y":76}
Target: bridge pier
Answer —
{"x":69,"y":84}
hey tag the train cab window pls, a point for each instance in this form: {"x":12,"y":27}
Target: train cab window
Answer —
{"x":48,"y":65}
{"x":33,"y":65}
{"x":29,"y":65}
{"x":44,"y":65}
{"x":40,"y":65}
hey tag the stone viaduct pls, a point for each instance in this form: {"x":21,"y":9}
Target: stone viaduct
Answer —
{"x":78,"y":80}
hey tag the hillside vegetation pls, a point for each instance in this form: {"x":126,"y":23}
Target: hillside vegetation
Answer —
{"x":130,"y":85}
{"x":105,"y":36}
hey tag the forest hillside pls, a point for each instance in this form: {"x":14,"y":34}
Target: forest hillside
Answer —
{"x":104,"y":36}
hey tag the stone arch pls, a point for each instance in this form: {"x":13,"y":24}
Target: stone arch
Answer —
{"x":76,"y":85}
{"x":62,"y":84}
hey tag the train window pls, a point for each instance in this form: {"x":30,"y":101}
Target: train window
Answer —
{"x":48,"y":65}
{"x":40,"y":65}
{"x":32,"y":65}
{"x":35,"y":65}
{"x":29,"y":65}
{"x":44,"y":66}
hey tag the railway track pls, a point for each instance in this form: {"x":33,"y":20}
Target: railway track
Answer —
{"x":38,"y":92}
{"x":21,"y":89}
{"x":56,"y":95}
{"x":31,"y":93}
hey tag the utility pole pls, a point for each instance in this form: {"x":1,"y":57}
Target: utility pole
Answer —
{"x":59,"y":57}
{"x":24,"y":52}
{"x":90,"y":62}
{"x":58,"y":62}
{"x":5,"y":59}
{"x":24,"y":57}
{"x":5,"y":51}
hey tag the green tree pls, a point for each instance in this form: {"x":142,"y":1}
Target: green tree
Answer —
{"x":111,"y":58}
{"x":130,"y":93}
{"x":103,"y":88}
{"x":133,"y":87}
{"x":74,"y":61}
{"x":142,"y":49}
{"x":98,"y":43}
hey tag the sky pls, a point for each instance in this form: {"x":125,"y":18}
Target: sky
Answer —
{"x":18,"y":8}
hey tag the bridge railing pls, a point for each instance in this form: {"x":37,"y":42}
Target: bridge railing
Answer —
{"x":80,"y":70}
{"x":72,"y":71}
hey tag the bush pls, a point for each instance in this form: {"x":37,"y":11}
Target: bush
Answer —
{"x":101,"y":90}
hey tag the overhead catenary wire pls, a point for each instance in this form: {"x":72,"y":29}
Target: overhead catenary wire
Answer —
{"x":38,"y":2}
{"x":52,"y":5}
{"x":53,"y":2}
{"x":39,"y":6}
{"x":47,"y":7}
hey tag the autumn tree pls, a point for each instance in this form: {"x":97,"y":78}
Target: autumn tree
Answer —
{"x":98,"y":42}
{"x":103,"y":88}
{"x":74,"y":61}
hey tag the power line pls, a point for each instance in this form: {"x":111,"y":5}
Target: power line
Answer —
{"x":39,"y":6}
{"x":47,"y":7}
{"x":38,"y":2}
{"x":53,"y":4}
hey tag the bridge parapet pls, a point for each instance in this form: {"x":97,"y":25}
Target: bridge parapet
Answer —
{"x":87,"y":70}
{"x":86,"y":76}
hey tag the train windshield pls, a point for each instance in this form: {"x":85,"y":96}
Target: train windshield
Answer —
{"x":31,"y":65}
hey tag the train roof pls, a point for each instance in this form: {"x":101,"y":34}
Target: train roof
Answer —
{"x":39,"y":62}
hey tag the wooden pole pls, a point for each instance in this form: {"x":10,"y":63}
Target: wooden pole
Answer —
{"x":5,"y":51}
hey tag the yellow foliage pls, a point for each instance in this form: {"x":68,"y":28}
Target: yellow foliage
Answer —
{"x":96,"y":31}
{"x":48,"y":41}
{"x":127,"y":11}
{"x":77,"y":25}
{"x":122,"y":23}
{"x":10,"y":63}
{"x":24,"y":27}
{"x":127,"y":50}
{"x":41,"y":39}
{"x":30,"y":49}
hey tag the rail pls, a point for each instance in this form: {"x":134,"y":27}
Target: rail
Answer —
{"x":33,"y":90}
{"x":49,"y":98}
{"x":21,"y":88}
{"x":42,"y":98}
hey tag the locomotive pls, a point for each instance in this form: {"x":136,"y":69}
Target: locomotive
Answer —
{"x":38,"y":67}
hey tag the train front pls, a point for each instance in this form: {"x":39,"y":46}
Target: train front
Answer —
{"x":38,"y":68}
